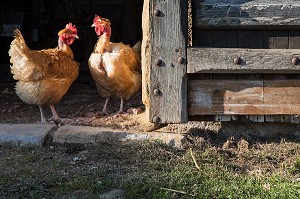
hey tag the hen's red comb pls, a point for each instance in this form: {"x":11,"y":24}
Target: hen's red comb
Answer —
{"x":96,"y":18}
{"x":72,"y":28}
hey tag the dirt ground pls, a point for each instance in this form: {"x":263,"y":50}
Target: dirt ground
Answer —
{"x":81,"y":105}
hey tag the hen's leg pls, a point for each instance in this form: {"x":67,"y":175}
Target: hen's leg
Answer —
{"x":54,"y":113}
{"x":104,"y":110}
{"x":43,"y":119}
{"x":121,"y":106}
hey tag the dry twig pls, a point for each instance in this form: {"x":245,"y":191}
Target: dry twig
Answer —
{"x":194,"y":159}
{"x":176,"y":191}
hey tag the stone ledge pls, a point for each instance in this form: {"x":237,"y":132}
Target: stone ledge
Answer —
{"x":24,"y":134}
{"x":86,"y":134}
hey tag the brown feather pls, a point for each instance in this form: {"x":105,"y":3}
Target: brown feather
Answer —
{"x":115,"y":68}
{"x":44,"y":76}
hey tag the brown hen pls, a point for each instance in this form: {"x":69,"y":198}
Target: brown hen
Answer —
{"x":44,"y":76}
{"x":115,"y":67}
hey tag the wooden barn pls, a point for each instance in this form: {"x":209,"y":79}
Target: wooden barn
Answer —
{"x":221,"y":60}
{"x":201,"y":59}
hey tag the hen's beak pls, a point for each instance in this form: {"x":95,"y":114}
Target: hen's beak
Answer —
{"x":93,"y":25}
{"x":76,"y":36}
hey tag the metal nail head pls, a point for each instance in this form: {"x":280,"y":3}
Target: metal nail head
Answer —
{"x":156,"y":92}
{"x":237,"y":60}
{"x":158,"y":62}
{"x":157,"y":13}
{"x":180,"y":60}
{"x":295,"y":60}
{"x":156,"y":119}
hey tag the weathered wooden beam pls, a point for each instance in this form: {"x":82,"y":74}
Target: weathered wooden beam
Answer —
{"x":243,"y":13}
{"x":222,"y":60}
{"x":164,"y":60}
{"x":243,"y":97}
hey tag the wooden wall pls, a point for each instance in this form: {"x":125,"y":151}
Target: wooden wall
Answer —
{"x":244,"y":58}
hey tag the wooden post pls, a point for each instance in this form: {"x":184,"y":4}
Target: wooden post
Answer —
{"x":164,"y":60}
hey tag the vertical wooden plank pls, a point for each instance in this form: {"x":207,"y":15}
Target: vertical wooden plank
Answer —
{"x":165,"y":53}
{"x":294,"y":39}
{"x":276,"y":39}
{"x":225,"y":39}
{"x":250,"y":39}
{"x":146,"y":52}
{"x":202,"y":38}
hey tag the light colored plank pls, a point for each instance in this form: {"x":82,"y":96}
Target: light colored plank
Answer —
{"x":225,"y":118}
{"x":220,"y":60}
{"x":281,"y":92}
{"x":283,"y":118}
{"x":244,"y":109}
{"x":165,"y":38}
{"x":256,"y":118}
{"x":243,"y":97}
{"x":245,"y":13}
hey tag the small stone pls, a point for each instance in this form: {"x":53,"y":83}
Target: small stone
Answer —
{"x":76,"y":159}
{"x":134,"y":111}
{"x":113,"y":194}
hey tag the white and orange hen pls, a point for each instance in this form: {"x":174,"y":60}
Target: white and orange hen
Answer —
{"x":115,"y":67}
{"x":44,"y":76}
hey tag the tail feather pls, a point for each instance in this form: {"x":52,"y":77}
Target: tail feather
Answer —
{"x":18,"y":51}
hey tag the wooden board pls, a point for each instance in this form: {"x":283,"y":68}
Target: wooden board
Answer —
{"x":245,"y":13}
{"x":220,"y":60}
{"x":225,"y":39}
{"x":250,"y":39}
{"x":276,"y":39}
{"x":294,"y":39}
{"x":165,"y":39}
{"x":243,"y":97}
{"x":256,"y":38}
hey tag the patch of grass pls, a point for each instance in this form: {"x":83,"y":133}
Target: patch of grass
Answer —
{"x":215,"y":178}
{"x":296,"y":167}
{"x":150,"y":170}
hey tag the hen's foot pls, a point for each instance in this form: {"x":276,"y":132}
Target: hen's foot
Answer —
{"x":42,"y":122}
{"x":56,"y":121}
{"x":121,"y":113}
{"x":102,"y":113}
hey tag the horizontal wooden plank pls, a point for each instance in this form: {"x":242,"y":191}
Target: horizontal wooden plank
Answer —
{"x":243,"y":13}
{"x":221,"y":60}
{"x":243,"y":97}
{"x":281,"y":92}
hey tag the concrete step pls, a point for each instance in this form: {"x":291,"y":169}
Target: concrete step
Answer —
{"x":35,"y":134}
{"x":86,"y":135}
{"x":24,"y":134}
